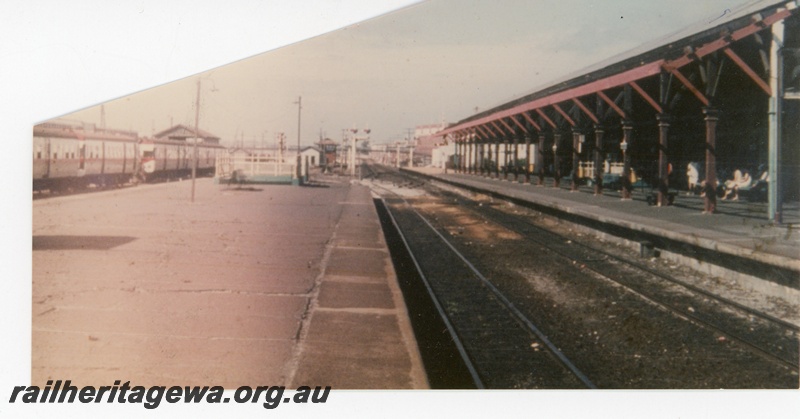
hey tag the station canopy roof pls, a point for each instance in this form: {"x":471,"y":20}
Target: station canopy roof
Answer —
{"x":670,"y":53}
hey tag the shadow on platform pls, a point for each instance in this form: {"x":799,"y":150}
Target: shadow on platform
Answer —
{"x":79,"y":242}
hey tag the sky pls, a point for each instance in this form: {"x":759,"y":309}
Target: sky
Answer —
{"x":426,"y":63}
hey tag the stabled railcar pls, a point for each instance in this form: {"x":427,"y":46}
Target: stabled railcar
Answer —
{"x":69,"y":155}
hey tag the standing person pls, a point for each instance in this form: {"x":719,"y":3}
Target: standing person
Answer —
{"x":692,"y":176}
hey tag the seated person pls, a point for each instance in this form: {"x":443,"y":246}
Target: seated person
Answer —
{"x":740,"y":180}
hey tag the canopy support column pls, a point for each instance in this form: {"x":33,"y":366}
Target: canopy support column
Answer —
{"x":527,"y":158}
{"x":540,"y":158}
{"x":470,"y":160}
{"x":598,"y":159}
{"x":497,"y":158}
{"x":710,"y":200}
{"x":576,"y":141}
{"x":556,"y":161}
{"x":516,"y":158}
{"x":487,"y":153}
{"x":663,"y":170}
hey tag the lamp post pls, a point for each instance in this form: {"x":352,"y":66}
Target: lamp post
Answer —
{"x":626,"y":176}
{"x":556,"y":164}
{"x":299,"y":110}
{"x":197,"y":138}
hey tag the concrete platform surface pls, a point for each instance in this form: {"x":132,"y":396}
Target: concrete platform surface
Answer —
{"x":268,"y":285}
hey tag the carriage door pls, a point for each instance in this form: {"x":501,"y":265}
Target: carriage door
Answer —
{"x":49,"y":157}
{"x":81,"y":156}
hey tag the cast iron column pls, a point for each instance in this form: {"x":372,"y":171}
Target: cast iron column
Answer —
{"x":457,"y":162}
{"x":576,"y":159}
{"x":663,"y":173}
{"x":476,"y":155}
{"x":487,"y":167}
{"x":497,"y":158}
{"x":710,"y":200}
{"x":527,"y":158}
{"x":455,"y":155}
{"x":556,"y":160}
{"x":462,"y":155}
{"x":479,"y":151}
{"x":505,"y":159}
{"x":540,"y":159}
{"x":598,"y":159}
{"x":516,"y":158}
{"x":468,"y":156}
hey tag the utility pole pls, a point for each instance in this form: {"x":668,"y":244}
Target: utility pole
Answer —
{"x":342,"y":158}
{"x":280,"y":147}
{"x":299,"y":110}
{"x":353,"y":152}
{"x":196,"y":138}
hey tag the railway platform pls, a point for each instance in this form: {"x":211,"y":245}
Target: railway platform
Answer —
{"x":736,"y":240}
{"x":259,"y":286}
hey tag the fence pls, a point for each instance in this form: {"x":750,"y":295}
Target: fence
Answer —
{"x":251,"y":168}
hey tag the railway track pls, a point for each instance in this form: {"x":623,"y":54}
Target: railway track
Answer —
{"x":499,"y":345}
{"x":779,"y":343}
{"x":494,"y":310}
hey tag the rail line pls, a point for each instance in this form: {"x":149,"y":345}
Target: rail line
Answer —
{"x":770,"y":337}
{"x":501,"y":302}
{"x":786,"y":332}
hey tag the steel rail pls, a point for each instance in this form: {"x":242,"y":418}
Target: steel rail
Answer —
{"x":793,"y":327}
{"x":450,"y":329}
{"x":667,"y":306}
{"x":513,"y":309}
{"x":495,"y":291}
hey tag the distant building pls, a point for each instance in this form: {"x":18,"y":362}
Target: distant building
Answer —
{"x":441,"y":154}
{"x":425,"y":143}
{"x":182,"y":133}
{"x":427,"y":130}
{"x":273,"y":153}
{"x":313,"y":155}
{"x":327,"y":152}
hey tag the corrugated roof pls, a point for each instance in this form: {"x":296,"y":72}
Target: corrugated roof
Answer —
{"x":187,"y":132}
